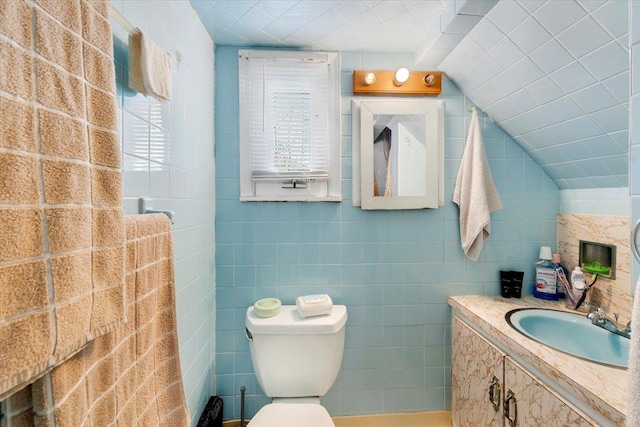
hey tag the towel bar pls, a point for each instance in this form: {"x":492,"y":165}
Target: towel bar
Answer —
{"x":120,"y":19}
{"x":143,"y":209}
{"x":126,"y":25}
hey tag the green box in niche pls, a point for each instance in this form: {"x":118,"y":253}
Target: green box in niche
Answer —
{"x":598,"y":258}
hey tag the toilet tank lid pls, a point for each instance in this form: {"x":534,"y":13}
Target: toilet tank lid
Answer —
{"x":289,"y":322}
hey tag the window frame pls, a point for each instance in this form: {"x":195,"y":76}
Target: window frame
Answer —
{"x":320,"y":189}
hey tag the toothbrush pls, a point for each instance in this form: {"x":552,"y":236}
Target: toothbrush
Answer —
{"x":563,"y":279}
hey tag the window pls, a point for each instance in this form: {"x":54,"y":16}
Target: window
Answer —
{"x":289,"y":126}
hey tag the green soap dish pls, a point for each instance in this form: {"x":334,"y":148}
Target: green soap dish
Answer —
{"x":267,"y":307}
{"x":596,"y":268}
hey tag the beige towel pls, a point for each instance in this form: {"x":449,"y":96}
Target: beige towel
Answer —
{"x":61,"y":219}
{"x":149,"y":67}
{"x":131,"y":376}
{"x":475,"y":193}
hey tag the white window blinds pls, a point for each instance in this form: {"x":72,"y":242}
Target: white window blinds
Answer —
{"x":286,"y":120}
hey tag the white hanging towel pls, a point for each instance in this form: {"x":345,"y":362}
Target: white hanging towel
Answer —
{"x":475,"y":193}
{"x":149,"y":67}
{"x":633,"y":395}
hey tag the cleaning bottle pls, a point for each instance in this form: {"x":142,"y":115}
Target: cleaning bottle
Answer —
{"x":546,"y":280}
{"x":558,"y":263}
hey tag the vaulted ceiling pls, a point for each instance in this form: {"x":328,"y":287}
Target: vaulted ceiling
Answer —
{"x":553,"y":74}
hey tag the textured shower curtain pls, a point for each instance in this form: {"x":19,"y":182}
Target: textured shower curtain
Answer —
{"x":78,"y":346}
{"x":61,"y":216}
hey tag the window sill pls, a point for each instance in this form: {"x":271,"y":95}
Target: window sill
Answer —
{"x":291,"y":199}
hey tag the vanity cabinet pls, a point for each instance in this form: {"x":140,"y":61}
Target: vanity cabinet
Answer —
{"x":489,"y":388}
{"x":476,"y":371}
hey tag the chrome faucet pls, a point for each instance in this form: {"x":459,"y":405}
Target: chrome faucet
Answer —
{"x":599,"y":318}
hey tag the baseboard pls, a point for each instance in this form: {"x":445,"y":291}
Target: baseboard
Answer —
{"x":431,"y":418}
{"x":414,"y":419}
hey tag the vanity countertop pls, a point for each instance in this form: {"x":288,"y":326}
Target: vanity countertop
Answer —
{"x":603,"y":388}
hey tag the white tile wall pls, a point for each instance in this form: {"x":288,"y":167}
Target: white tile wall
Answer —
{"x":556,"y":17}
{"x":168,"y":156}
{"x":596,"y":201}
{"x":569,"y":62}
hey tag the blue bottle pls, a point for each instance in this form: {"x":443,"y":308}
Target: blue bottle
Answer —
{"x":546,"y":279}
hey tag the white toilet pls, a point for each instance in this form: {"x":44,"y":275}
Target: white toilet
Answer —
{"x":296,"y":361}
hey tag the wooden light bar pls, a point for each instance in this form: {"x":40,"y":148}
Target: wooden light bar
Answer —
{"x":419,"y":83}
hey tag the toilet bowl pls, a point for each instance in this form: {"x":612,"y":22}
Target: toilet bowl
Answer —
{"x":296,"y":361}
{"x":292,"y":415}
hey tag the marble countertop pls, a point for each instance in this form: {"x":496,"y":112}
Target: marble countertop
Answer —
{"x":602,"y":388}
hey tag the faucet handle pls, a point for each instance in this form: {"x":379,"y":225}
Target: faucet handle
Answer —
{"x":596,"y":315}
{"x":597,"y":311}
{"x":627,"y":328}
{"x":616,"y":315}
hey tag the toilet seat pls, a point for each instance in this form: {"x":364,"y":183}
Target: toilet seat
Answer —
{"x":292,"y":415}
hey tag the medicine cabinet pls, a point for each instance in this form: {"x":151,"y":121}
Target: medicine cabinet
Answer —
{"x":398,"y":153}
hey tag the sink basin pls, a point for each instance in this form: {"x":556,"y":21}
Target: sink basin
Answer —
{"x":571,"y":333}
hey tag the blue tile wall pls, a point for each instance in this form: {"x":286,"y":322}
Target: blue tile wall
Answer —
{"x":393,"y":269}
{"x":168,"y":156}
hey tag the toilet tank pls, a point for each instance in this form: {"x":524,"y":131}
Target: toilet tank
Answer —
{"x":295,"y":357}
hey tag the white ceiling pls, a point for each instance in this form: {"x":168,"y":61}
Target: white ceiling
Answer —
{"x":355,"y":25}
{"x":553,"y":74}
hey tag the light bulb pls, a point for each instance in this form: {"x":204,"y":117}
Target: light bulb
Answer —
{"x":369,"y":79}
{"x":429,"y":79}
{"x":402,"y":75}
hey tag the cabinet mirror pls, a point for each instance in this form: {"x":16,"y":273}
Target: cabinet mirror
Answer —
{"x":398,"y":154}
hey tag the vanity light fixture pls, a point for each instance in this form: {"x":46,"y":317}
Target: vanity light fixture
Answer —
{"x":399,"y":82}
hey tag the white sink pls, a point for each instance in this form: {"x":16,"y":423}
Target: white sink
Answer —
{"x":571,"y":333}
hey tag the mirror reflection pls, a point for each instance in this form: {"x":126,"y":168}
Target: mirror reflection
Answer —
{"x":399,"y":155}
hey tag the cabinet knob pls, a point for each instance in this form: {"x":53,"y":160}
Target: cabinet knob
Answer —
{"x":494,"y":393}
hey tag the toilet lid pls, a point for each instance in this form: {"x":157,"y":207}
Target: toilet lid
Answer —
{"x":292,"y":415}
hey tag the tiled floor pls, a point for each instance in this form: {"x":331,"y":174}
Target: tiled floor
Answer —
{"x":420,"y":419}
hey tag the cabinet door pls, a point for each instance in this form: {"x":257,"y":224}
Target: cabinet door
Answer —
{"x":536,"y":404}
{"x":474,"y":365}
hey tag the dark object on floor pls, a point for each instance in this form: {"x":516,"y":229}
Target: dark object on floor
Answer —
{"x":212,"y":414}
